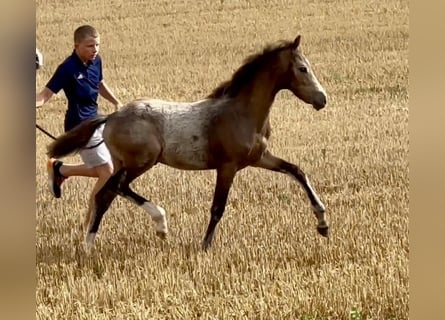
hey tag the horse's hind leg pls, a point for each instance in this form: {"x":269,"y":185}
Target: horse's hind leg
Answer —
{"x":157,"y":213}
{"x":102,"y":201}
{"x":270,"y":162}
{"x":117,"y":165}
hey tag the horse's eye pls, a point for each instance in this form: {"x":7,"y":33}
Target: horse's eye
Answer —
{"x":303,"y":69}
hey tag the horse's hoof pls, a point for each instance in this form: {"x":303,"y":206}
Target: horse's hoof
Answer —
{"x":205,"y":245}
{"x":162,"y":235}
{"x":323,"y":230}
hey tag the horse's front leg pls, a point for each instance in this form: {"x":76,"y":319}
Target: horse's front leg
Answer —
{"x":224,"y":180}
{"x":270,"y":162}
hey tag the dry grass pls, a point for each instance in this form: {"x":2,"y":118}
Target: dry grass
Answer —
{"x":267,"y":261}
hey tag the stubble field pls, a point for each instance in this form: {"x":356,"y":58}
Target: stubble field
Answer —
{"x":267,"y":261}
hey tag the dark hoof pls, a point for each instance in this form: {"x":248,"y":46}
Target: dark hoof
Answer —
{"x":161,"y":235}
{"x":205,"y":245}
{"x":324,"y":231}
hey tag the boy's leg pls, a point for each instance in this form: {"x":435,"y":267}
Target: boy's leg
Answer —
{"x":104,"y":172}
{"x":81,"y":170}
{"x":93,"y":158}
{"x":59,"y":172}
{"x":99,"y":160}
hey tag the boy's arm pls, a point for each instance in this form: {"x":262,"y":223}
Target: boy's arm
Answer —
{"x":105,"y":92}
{"x":43,"y":96}
{"x":54,"y":85}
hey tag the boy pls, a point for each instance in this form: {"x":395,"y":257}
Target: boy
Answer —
{"x":80,"y":77}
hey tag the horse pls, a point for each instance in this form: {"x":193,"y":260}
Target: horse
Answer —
{"x":39,"y":59}
{"x":227,"y":131}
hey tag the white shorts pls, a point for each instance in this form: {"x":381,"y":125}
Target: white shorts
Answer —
{"x":98,"y":155}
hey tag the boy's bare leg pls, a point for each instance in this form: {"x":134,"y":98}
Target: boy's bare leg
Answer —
{"x":103,"y":172}
{"x":69,"y":170}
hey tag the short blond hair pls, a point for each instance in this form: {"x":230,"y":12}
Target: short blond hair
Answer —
{"x":83,"y":32}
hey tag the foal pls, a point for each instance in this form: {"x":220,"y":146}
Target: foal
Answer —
{"x":227,"y":131}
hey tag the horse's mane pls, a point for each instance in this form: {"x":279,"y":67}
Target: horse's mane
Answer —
{"x":248,"y":70}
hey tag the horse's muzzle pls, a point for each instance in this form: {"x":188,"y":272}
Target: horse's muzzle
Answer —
{"x":319,"y":101}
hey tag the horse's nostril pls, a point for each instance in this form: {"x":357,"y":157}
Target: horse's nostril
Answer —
{"x":320,"y":101}
{"x":323,"y":99}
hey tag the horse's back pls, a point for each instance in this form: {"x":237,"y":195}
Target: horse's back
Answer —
{"x":180,"y":128}
{"x":184,"y":132}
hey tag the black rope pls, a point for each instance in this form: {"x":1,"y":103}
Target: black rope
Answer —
{"x":45,"y":132}
{"x":54,"y":138}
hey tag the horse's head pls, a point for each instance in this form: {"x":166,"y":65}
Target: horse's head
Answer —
{"x":301,"y":79}
{"x":39,"y":59}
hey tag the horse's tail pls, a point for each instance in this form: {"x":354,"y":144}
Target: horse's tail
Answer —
{"x":73,"y":140}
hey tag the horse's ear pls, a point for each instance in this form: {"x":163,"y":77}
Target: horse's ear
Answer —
{"x":296,"y":42}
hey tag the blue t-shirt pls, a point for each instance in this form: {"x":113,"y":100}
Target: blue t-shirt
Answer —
{"x":81,"y":86}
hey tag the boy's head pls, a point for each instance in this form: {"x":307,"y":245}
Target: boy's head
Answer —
{"x":86,"y":42}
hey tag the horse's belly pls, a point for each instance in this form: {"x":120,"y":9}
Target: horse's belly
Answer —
{"x":186,"y":155}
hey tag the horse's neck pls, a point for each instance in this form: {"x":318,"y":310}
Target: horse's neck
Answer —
{"x":259,"y":95}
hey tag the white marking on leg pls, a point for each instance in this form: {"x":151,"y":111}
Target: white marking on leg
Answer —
{"x":319,"y":208}
{"x":158,"y":215}
{"x":89,"y":242}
